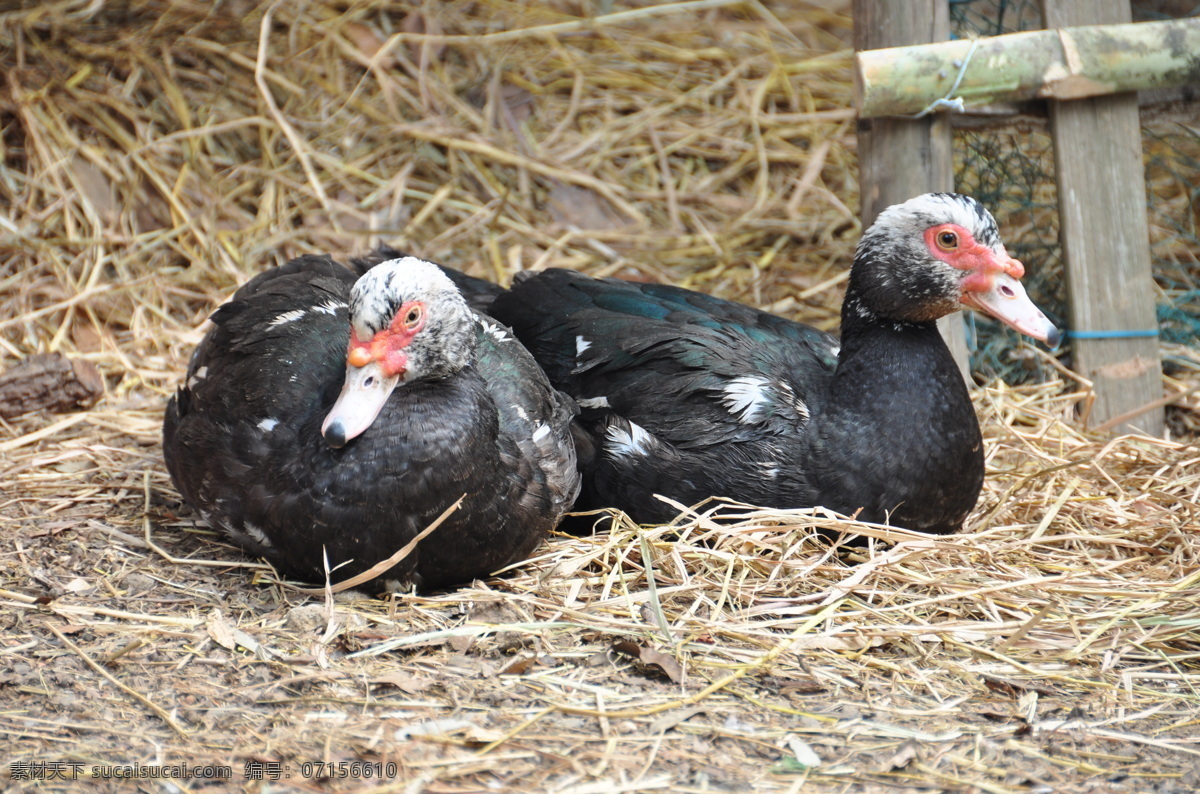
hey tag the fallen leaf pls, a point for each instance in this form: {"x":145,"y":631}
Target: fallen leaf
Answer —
{"x":475,"y":734}
{"x":78,"y":585}
{"x":904,"y":755}
{"x":417,"y":22}
{"x":832,"y":643}
{"x":150,"y":211}
{"x":220,"y":630}
{"x":1013,"y":688}
{"x":996,"y":716}
{"x":85,"y":336}
{"x":461,"y":644}
{"x":676,"y":717}
{"x":518,"y":666}
{"x":96,"y":187}
{"x":494,"y":613}
{"x":580,"y":207}
{"x":55,"y":527}
{"x":73,"y":466}
{"x":368,"y":42}
{"x":799,"y":686}
{"x":652,"y":658}
{"x":229,"y":637}
{"x":407,"y":682}
{"x":517,"y":104}
{"x":1144,"y":507}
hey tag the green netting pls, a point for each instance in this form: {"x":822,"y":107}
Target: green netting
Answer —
{"x":1011,"y":169}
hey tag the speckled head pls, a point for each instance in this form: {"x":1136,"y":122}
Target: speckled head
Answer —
{"x":407,"y":322}
{"x":934,"y":254}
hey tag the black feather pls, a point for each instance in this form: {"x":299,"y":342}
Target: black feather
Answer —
{"x":242,"y":442}
{"x":689,"y":396}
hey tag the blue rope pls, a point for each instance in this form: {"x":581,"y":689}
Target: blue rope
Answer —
{"x":1149,"y":332}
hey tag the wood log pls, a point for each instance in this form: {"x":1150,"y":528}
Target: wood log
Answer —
{"x":49,"y":382}
{"x":1063,"y":63}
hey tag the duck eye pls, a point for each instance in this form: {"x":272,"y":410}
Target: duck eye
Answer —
{"x":947,"y":241}
{"x":413,"y":317}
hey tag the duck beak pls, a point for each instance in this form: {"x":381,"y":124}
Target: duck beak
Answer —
{"x":362,"y":398}
{"x":1005,"y":299}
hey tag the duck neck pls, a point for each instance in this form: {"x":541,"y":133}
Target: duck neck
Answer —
{"x":898,"y":394}
{"x":905,"y":358}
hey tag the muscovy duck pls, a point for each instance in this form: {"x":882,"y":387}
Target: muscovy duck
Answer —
{"x":690,"y":396}
{"x":302,"y":451}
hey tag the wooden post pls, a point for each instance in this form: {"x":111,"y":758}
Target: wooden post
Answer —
{"x":1106,"y":238}
{"x":902,"y":158}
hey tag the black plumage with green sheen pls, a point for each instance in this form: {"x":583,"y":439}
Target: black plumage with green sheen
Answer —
{"x":243,"y":437}
{"x":689,"y":396}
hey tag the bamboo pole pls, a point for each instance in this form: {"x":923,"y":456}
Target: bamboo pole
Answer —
{"x":1062,"y":63}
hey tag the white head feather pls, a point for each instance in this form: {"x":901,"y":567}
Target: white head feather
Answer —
{"x":446,"y":343}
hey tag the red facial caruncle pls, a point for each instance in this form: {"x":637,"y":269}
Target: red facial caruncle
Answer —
{"x":992,"y":281}
{"x":955,"y":246}
{"x":387,"y":347}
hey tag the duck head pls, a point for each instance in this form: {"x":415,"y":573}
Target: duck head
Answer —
{"x":934,"y":254}
{"x":407,"y":322}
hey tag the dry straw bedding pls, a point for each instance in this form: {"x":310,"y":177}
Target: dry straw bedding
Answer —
{"x":157,"y":154}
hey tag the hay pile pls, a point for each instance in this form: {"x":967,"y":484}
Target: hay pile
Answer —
{"x":157,"y":154}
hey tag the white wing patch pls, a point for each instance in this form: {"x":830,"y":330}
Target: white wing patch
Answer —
{"x":287,"y":317}
{"x":789,"y":395}
{"x":593,"y":402}
{"x":495,"y":330}
{"x":626,"y":444}
{"x":256,"y":533}
{"x":330,"y":306}
{"x":268,"y":424}
{"x":542,"y":431}
{"x":768,"y":469}
{"x":746,"y":397}
{"x":581,"y":346}
{"x":199,"y":375}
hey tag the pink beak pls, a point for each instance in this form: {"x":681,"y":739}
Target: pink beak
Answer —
{"x":363,"y":396}
{"x":1007,"y":302}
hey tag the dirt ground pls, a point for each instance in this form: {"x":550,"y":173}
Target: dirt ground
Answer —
{"x":753,"y":659}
